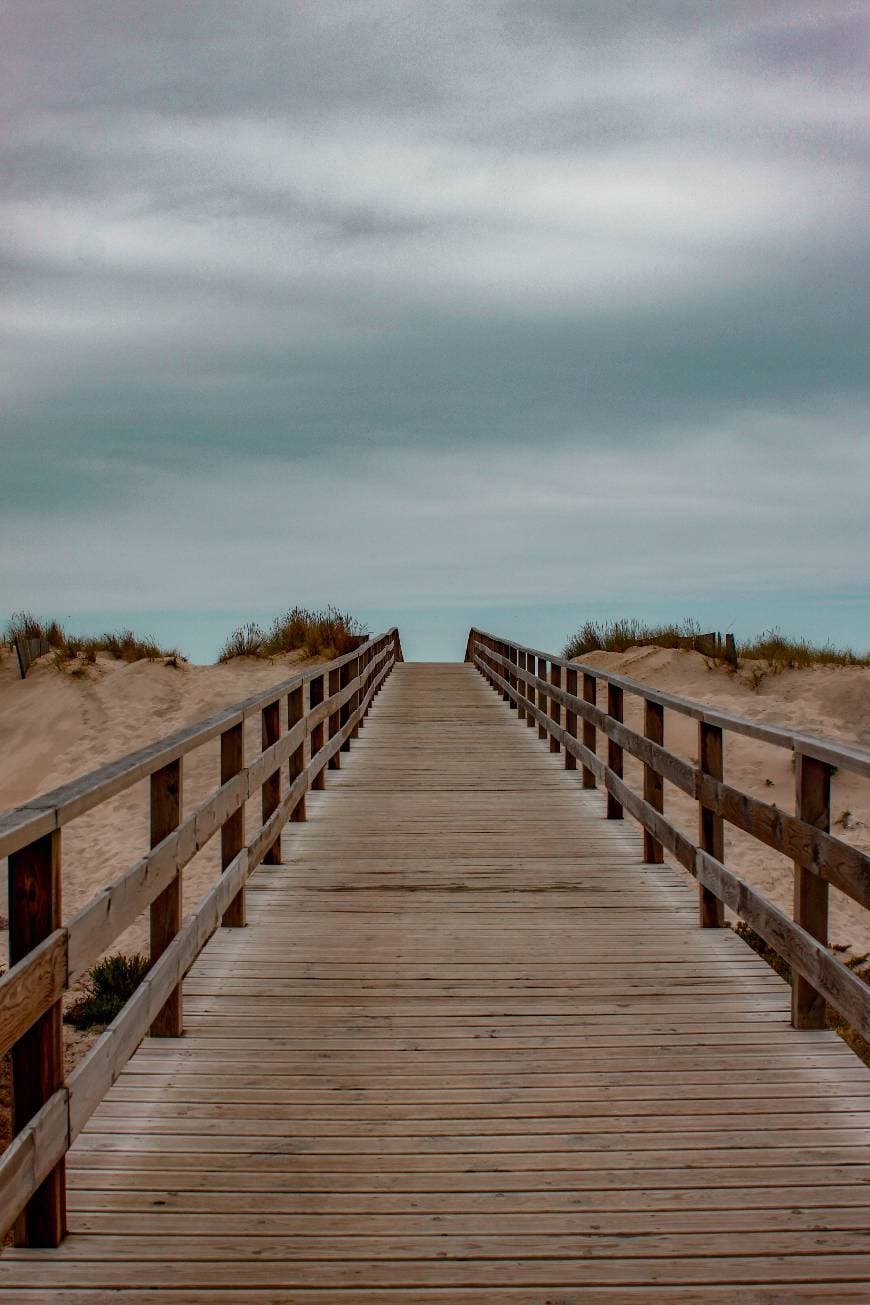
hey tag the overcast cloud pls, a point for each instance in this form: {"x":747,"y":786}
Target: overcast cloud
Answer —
{"x":414,"y":306}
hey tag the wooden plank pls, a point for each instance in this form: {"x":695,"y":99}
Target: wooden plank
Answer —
{"x":653,"y":786}
{"x":31,"y":986}
{"x":614,"y":750}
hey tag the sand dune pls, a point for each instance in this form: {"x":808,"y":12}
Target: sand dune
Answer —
{"x":56,"y":726}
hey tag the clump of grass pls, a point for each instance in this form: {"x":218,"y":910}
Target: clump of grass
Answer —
{"x":783,"y":652}
{"x":328,"y":633}
{"x":108,"y":987}
{"x":619,"y":636}
{"x":123,"y":645}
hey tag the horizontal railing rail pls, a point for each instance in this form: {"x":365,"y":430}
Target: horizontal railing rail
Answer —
{"x":545,"y":691}
{"x":325,"y":708}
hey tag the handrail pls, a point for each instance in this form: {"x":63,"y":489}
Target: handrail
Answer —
{"x":325,"y":709}
{"x":531,"y":681}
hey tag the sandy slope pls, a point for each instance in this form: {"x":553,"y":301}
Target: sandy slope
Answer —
{"x":832,"y":701}
{"x":55,"y":727}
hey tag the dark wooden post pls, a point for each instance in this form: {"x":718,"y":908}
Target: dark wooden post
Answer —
{"x":512,"y":679}
{"x":614,"y":751}
{"x":653,"y":784}
{"x":711,"y":828}
{"x":521,"y":685}
{"x":555,"y":707}
{"x":270,"y":793}
{"x":296,"y":764}
{"x":504,"y":672}
{"x":542,"y":697}
{"x":590,"y":685}
{"x":354,"y":670}
{"x":812,"y":804}
{"x":315,"y":698}
{"x":233,"y":828}
{"x":37,"y":1057}
{"x":166,"y":909}
{"x":570,"y":718}
{"x":334,"y":717}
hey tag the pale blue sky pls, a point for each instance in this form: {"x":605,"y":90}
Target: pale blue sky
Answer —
{"x":547,"y":311}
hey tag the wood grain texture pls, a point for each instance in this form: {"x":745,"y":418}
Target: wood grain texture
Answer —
{"x":470,"y":1048}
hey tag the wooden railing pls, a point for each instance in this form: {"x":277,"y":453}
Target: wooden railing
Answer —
{"x":556,"y":694}
{"x":325,"y":707}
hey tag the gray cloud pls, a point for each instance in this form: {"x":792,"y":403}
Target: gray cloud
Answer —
{"x":275,"y":243}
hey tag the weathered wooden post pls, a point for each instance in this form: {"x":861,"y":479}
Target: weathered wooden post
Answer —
{"x":812,"y":804}
{"x":166,"y":910}
{"x":542,"y":696}
{"x":270,"y":791}
{"x":555,"y":707}
{"x":334,"y":762}
{"x":570,"y":717}
{"x":614,"y":751}
{"x":37,"y":1056}
{"x":512,"y":679}
{"x":296,"y":764}
{"x":233,"y":828}
{"x":711,"y":828}
{"x":316,"y":693}
{"x":590,"y":685}
{"x":653,"y":783}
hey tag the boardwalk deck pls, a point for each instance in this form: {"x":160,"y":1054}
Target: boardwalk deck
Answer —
{"x":469,"y":1049}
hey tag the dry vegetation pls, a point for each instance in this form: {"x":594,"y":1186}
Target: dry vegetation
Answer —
{"x":774,"y":648}
{"x":328,"y":633}
{"x":123,"y":645}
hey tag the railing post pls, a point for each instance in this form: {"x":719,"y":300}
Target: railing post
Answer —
{"x":354,"y":671}
{"x":512,"y":679}
{"x":504,"y":672}
{"x":334,"y":762}
{"x":812,"y":804}
{"x":233,"y":828}
{"x":520,"y":659}
{"x":531,"y":696}
{"x":711,"y":828}
{"x":653,"y":784}
{"x":542,"y":697}
{"x":570,"y":718}
{"x":555,"y":707}
{"x":315,"y":698}
{"x":296,"y":764}
{"x":37,"y":1057}
{"x":270,"y":792}
{"x":590,"y":687}
{"x":166,"y":909}
{"x":614,"y":751}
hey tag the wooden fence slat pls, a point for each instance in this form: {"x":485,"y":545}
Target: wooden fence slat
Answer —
{"x":590,"y":687}
{"x":296,"y":764}
{"x":31,"y":986}
{"x":555,"y":707}
{"x":316,"y":694}
{"x":270,"y":790}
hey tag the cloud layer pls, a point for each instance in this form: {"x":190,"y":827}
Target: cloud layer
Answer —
{"x":394,"y":302}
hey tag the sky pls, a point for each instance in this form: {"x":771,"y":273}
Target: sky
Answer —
{"x":503,"y":314}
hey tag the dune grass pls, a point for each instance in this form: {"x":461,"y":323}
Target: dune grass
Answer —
{"x":619,"y":636}
{"x":123,"y":645}
{"x":108,"y":987}
{"x":327,"y":633}
{"x":778,"y":650}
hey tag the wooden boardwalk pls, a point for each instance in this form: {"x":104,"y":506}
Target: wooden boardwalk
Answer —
{"x":469,"y":1049}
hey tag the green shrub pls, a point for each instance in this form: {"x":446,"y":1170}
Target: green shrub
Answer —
{"x":108,"y":987}
{"x":328,"y":633}
{"x":619,"y":636}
